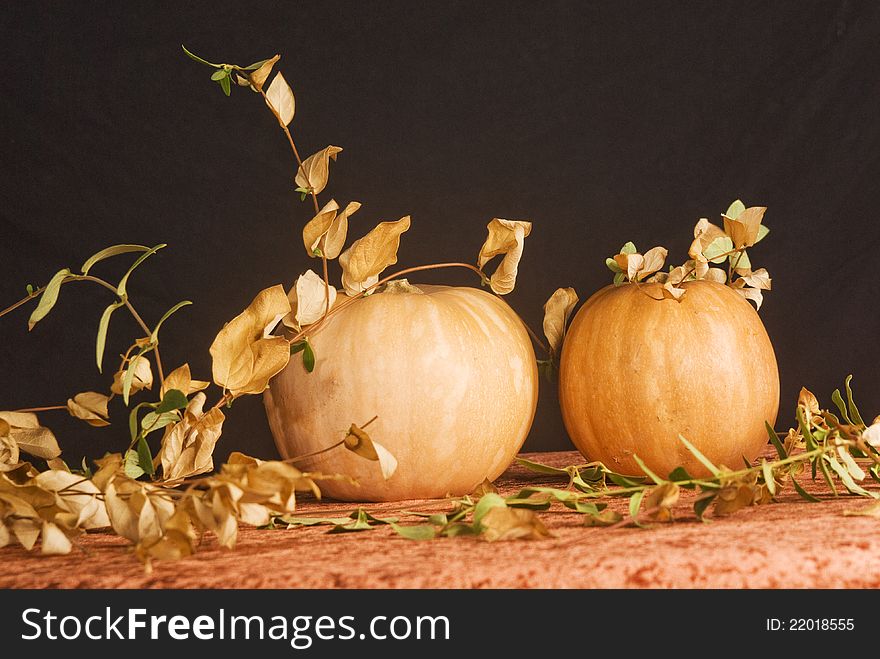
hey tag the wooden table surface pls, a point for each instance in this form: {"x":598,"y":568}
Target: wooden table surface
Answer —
{"x":788,"y":544}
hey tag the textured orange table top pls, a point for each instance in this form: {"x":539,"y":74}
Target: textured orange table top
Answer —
{"x":788,"y":544}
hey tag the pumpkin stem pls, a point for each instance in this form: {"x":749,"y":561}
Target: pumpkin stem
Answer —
{"x":398,"y":286}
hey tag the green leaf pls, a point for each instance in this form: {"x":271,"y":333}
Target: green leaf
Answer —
{"x":762,"y":233}
{"x":635,"y":503}
{"x":199,"y":59}
{"x":628,"y":248}
{"x":826,"y":474}
{"x":49,"y":297}
{"x":417,"y":532}
{"x":612,"y":265}
{"x":133,"y":420}
{"x":315,"y":521}
{"x":706,"y":462}
{"x":486,"y":503}
{"x":837,"y":399}
{"x":131,"y":465}
{"x":845,"y":477}
{"x":156,"y":421}
{"x":769,"y":481}
{"x":715,"y":249}
{"x":774,"y":439}
{"x":585,"y":507}
{"x":853,"y":410}
{"x":30,"y":289}
{"x":735,"y":209}
{"x":219,"y":75}
{"x":806,"y":431}
{"x":154,"y":336}
{"x":700,"y":506}
{"x":541,"y":468}
{"x":308,"y":357}
{"x":107,"y":252}
{"x":654,"y":477}
{"x":174,"y":399}
{"x":679,"y":474}
{"x":101,"y":340}
{"x":299,"y":346}
{"x":256,"y":65}
{"x":624,"y":481}
{"x":121,"y":286}
{"x":547,"y":370}
{"x":225,"y":85}
{"x":145,"y":457}
{"x":804,"y":494}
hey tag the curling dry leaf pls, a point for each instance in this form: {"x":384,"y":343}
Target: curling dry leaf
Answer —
{"x":308,"y":300}
{"x":9,"y":453}
{"x":258,"y":78}
{"x":671,"y":281}
{"x":244,"y":357}
{"x":178,"y":540}
{"x":315,"y":169}
{"x":280,"y":97}
{"x":637,"y":266}
{"x":188,"y":445}
{"x":181,"y":379}
{"x":662,"y":498}
{"x":809,"y":403}
{"x":317,"y":228}
{"x":91,"y":407}
{"x":358,"y":441}
{"x":757,"y":279}
{"x":368,"y":256}
{"x":142,"y":376}
{"x":557,"y":310}
{"x":744,"y":229}
{"x":326,"y":232}
{"x":505,"y":237}
{"x":77,"y":499}
{"x":503,"y":523}
{"x":871,"y":434}
{"x":137,"y":511}
{"x":29,"y":436}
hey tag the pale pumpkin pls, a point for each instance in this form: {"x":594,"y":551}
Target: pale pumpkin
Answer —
{"x":637,"y":371}
{"x":450,"y":373}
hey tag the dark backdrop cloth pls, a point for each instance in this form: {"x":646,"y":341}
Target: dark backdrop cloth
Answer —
{"x":601,"y":122}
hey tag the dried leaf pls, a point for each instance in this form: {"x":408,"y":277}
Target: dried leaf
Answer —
{"x":258,"y":78}
{"x":243,"y":359}
{"x":77,"y":495}
{"x":743,"y":229}
{"x":753,"y":294}
{"x":715,"y":274}
{"x":181,"y":380}
{"x":757,"y":279}
{"x":368,"y":256}
{"x":809,"y":403}
{"x":358,"y":441}
{"x":55,"y":542}
{"x":637,"y":267}
{"x":48,"y":298}
{"x":318,"y":227}
{"x":663,"y":497}
{"x":9,"y":453}
{"x":732,"y":498}
{"x":188,"y":446}
{"x":872,"y":510}
{"x":871,"y":434}
{"x":308,"y":299}
{"x":505,"y":237}
{"x":280,"y":98}
{"x":141,"y":376}
{"x":91,"y":407}
{"x":334,"y":240}
{"x":503,"y":523}
{"x":29,"y":436}
{"x":315,"y":169}
{"x":557,"y":310}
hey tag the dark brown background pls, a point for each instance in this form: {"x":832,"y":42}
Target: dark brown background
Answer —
{"x":601,"y":122}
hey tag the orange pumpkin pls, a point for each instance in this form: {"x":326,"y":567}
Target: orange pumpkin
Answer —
{"x":638,"y":370}
{"x":450,"y":372}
